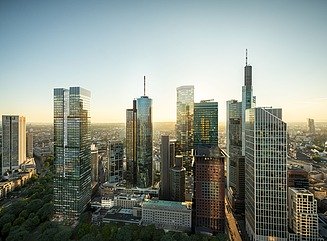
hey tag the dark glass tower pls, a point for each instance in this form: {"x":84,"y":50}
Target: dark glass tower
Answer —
{"x":206,"y":124}
{"x":131,"y":165}
{"x":72,"y":153}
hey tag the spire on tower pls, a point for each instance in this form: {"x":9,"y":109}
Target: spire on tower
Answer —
{"x":144,"y":86}
{"x":246,"y":58}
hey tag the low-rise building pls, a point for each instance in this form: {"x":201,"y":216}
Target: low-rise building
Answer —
{"x":176,"y":216}
{"x":303,"y":217}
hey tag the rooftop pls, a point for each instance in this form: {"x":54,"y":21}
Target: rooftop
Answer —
{"x":167,"y":204}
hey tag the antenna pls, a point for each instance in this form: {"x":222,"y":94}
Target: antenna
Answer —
{"x":144,"y":86}
{"x":246,"y":57}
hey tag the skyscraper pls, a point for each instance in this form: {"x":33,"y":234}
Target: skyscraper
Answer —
{"x":265,"y":174}
{"x":311,"y":126}
{"x":206,"y":124}
{"x":72,"y":152}
{"x":165,"y":167}
{"x":144,"y":142}
{"x":184,"y":119}
{"x":115,"y":161}
{"x":94,"y":165}
{"x":177,"y":180}
{"x":29,"y":144}
{"x":13,"y":142}
{"x":131,"y":165}
{"x":236,"y":163}
{"x":209,"y":190}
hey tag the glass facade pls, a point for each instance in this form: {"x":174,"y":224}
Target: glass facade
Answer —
{"x":115,"y":161}
{"x":206,"y":124}
{"x":13,"y":142}
{"x":144,"y":142}
{"x":184,"y":118}
{"x":72,"y":152}
{"x":265,"y":175}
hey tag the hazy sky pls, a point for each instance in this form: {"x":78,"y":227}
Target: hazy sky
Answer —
{"x":107,"y":47}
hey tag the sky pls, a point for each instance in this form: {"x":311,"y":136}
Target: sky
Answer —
{"x":108,"y":46}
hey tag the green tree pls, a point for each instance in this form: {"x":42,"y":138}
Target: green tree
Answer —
{"x":6,"y":228}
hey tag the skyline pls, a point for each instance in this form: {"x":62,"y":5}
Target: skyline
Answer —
{"x":107,"y":48}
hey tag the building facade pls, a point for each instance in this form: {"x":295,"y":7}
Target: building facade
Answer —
{"x":131,"y":165}
{"x":177,"y":180}
{"x":303,"y":217}
{"x":94,"y":165}
{"x":165,"y":167}
{"x":144,"y":132}
{"x":184,"y":119}
{"x":115,"y":161}
{"x":72,"y":153}
{"x":13,"y":142}
{"x":265,"y":174}
{"x":29,"y":144}
{"x":206,"y":124}
{"x":235,"y":161}
{"x":209,"y":190}
{"x":174,"y":216}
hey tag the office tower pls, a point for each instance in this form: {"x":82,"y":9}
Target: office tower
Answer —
{"x":206,"y":124}
{"x":209,"y":190}
{"x":303,"y":217}
{"x":72,"y":152}
{"x":94,"y":165}
{"x":144,"y":142}
{"x":165,"y":167}
{"x":265,"y":174}
{"x":29,"y":144}
{"x":248,"y":100}
{"x":115,"y":161}
{"x":184,"y":119}
{"x":297,"y":177}
{"x":235,"y":161}
{"x":177,"y":180}
{"x":131,"y":165}
{"x":13,"y":142}
{"x":311,"y":126}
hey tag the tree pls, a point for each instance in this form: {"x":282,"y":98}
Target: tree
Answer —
{"x":6,"y":228}
{"x":46,"y":212}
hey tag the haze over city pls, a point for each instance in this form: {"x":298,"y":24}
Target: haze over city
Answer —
{"x":108,"y":46}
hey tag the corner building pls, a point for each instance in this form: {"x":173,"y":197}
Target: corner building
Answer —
{"x":72,"y":153}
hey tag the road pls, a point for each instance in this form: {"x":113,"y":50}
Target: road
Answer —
{"x":231,"y":224}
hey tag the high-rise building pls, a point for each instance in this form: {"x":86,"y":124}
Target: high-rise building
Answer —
{"x":184,"y":119}
{"x":235,"y":161}
{"x":177,"y":180}
{"x":144,"y":142}
{"x":265,"y":174}
{"x":115,"y":161}
{"x":29,"y":144}
{"x":94,"y":165}
{"x":311,"y":126}
{"x":165,"y":167}
{"x":206,"y":124}
{"x":13,"y":142}
{"x":303,"y":217}
{"x":72,"y":152}
{"x":209,"y":190}
{"x":139,"y":132}
{"x":131,"y":165}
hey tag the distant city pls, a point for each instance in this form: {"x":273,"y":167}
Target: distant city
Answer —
{"x":254,"y":177}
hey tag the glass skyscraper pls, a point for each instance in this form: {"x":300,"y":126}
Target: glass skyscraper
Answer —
{"x":131,"y":165}
{"x":265,"y":174}
{"x":144,"y":142}
{"x":184,"y":119}
{"x":206,"y":124}
{"x":72,"y":152}
{"x":13,"y":142}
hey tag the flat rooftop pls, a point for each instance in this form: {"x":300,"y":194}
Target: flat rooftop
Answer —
{"x":167,"y":205}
